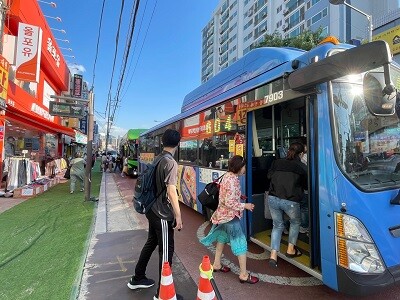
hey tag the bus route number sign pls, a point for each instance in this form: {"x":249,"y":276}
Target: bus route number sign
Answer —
{"x":273,"y":97}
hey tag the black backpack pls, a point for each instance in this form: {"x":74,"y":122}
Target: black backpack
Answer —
{"x":144,"y":194}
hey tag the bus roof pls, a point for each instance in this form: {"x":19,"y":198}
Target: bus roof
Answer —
{"x":134,"y":134}
{"x":256,"y":68}
{"x":254,"y":63}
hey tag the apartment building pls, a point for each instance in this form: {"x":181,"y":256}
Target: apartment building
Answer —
{"x":237,"y":25}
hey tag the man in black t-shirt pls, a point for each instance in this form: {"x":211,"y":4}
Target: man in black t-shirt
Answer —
{"x":164,"y":216}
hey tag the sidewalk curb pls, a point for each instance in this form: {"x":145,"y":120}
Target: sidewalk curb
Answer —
{"x":75,"y":291}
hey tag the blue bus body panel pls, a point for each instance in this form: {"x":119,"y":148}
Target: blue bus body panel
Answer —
{"x":326,"y":189}
{"x":372,"y":209}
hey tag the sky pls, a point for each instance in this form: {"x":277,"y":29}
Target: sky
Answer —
{"x":164,"y":65}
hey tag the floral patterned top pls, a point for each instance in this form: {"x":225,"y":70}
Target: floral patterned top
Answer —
{"x":229,"y":200}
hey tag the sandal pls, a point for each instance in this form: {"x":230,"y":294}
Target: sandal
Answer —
{"x":223,"y":269}
{"x":297,"y":253}
{"x":250,"y":279}
{"x":273,"y":263}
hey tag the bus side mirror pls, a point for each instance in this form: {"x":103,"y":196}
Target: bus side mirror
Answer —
{"x":380,"y":96}
{"x":356,"y":60}
{"x":396,"y":200}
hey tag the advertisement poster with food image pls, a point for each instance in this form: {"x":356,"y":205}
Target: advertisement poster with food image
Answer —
{"x":187,"y":185}
{"x":209,"y":175}
{"x":146,"y":158}
{"x":239,"y":144}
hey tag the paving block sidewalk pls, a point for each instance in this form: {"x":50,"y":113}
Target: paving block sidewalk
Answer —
{"x":115,"y":245}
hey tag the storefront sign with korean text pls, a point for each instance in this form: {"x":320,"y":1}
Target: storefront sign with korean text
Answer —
{"x":4,"y":65}
{"x":53,"y":51}
{"x":77,"y":92}
{"x":29,"y":45}
{"x":66,"y":109}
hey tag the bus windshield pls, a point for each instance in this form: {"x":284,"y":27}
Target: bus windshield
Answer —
{"x":133,"y":148}
{"x":367,"y":146}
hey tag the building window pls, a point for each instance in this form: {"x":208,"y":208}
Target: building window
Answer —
{"x":248,"y":24}
{"x":247,"y":37}
{"x":319,"y":16}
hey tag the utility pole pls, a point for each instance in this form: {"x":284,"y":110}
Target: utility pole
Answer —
{"x":3,"y":10}
{"x":109,"y":120}
{"x":89,"y":148}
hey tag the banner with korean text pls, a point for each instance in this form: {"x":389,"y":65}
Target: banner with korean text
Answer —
{"x":29,"y":45}
{"x":4,"y":65}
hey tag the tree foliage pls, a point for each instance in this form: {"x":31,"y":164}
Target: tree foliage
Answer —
{"x":306,"y":40}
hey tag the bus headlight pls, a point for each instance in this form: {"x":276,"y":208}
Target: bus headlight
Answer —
{"x":354,"y":246}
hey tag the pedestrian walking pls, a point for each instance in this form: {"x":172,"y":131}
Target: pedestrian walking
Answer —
{"x":164,"y":215}
{"x":226,"y":220}
{"x":118,"y":163}
{"x":77,"y":172}
{"x":125,"y":167}
{"x":288,"y":181}
{"x":104,"y":164}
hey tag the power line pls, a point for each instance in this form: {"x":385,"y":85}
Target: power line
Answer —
{"x":98,"y":42}
{"x":127,"y":47}
{"x":137,"y":39}
{"x":115,"y":54}
{"x":112,"y":73}
{"x":135,"y":9}
{"x":140,"y":52}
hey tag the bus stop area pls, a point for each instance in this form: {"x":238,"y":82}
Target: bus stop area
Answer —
{"x":118,"y":236}
{"x":120,"y":233}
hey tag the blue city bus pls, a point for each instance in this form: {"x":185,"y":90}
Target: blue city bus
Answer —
{"x":342,"y":100}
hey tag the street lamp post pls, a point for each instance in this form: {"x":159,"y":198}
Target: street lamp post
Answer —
{"x":369,"y":17}
{"x":68,"y":49}
{"x":62,"y":40}
{"x":55,"y":18}
{"x":60,"y":30}
{"x":50,"y":3}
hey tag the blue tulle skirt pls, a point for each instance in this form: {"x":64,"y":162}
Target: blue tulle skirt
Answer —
{"x":230,"y":232}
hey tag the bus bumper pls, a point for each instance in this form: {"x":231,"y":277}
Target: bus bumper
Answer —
{"x":357,"y":284}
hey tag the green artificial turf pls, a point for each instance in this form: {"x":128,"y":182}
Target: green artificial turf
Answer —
{"x":42,"y":241}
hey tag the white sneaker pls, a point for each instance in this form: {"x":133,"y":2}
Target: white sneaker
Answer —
{"x":71,"y":192}
{"x":303,"y":230}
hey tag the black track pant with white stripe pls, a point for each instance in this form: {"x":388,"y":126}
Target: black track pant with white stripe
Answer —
{"x":161,"y":234}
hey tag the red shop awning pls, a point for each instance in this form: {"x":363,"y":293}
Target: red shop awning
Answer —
{"x":37,"y":122}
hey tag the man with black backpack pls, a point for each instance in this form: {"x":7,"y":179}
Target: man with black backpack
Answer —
{"x":164,"y":215}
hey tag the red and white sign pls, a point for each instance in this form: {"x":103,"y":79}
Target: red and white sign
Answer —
{"x":29,"y":45}
{"x":53,"y":51}
{"x":4,"y":65}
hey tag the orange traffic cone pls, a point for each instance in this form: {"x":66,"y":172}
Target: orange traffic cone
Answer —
{"x":205,"y":290}
{"x":167,"y":288}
